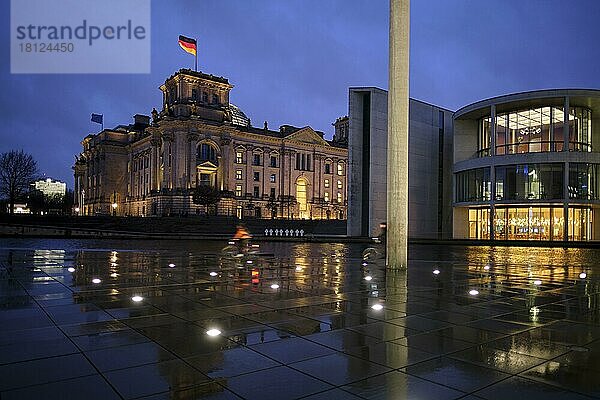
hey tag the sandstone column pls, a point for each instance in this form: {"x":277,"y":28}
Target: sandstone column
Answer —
{"x":397,"y":151}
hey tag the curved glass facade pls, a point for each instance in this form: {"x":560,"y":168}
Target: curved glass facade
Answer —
{"x":529,"y":182}
{"x":536,"y":130}
{"x":584,"y":181}
{"x":531,"y":223}
{"x":473,"y":185}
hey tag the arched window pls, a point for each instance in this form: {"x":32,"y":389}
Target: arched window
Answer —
{"x":340,"y":169}
{"x":207,"y":153}
{"x":301,"y":198}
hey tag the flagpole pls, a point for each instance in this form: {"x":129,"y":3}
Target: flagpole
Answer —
{"x":196,"y":57}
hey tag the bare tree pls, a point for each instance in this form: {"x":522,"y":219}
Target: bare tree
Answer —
{"x":17,"y":170}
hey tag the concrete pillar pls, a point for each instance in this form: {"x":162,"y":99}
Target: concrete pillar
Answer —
{"x":397,"y":151}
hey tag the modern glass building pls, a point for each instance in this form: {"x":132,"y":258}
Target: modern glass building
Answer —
{"x":527,"y":167}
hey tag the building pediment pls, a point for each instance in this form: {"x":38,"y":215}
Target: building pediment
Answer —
{"x":207,"y":165}
{"x":307,"y":135}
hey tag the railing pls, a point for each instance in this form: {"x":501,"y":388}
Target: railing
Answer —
{"x":535,"y":147}
{"x":284,"y":232}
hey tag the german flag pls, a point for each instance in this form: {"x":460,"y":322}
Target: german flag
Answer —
{"x":188,"y":44}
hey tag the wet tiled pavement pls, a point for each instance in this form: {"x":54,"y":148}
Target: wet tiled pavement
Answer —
{"x":296,"y":321}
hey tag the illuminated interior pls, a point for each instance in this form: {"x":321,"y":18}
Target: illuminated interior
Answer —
{"x":531,"y":223}
{"x":536,"y":130}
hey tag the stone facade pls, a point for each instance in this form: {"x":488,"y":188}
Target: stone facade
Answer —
{"x":153,"y":166}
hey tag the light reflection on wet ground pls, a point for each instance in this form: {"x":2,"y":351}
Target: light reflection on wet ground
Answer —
{"x":129,"y":319}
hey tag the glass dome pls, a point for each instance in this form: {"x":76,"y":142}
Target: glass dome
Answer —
{"x":238,"y":117}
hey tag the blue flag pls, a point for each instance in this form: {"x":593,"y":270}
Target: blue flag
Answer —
{"x":97,"y":118}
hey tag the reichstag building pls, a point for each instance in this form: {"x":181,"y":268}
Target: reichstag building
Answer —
{"x":156,"y":165}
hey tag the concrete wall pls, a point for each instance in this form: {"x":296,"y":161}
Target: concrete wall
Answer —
{"x":465,"y":139}
{"x":426,"y":191}
{"x":367,"y":183}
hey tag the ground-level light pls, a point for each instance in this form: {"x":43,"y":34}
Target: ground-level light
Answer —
{"x":473,"y":292}
{"x":368,"y":278}
{"x":71,"y":269}
{"x":213,"y":332}
{"x":377,"y":307}
{"x":96,"y":280}
{"x":137,"y":299}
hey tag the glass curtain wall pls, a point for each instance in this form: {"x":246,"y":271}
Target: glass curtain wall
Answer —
{"x":580,"y":223}
{"x":580,"y":129}
{"x":529,"y":182}
{"x":584,"y":181}
{"x":531,"y":223}
{"x":536,"y":130}
{"x":473,"y":185}
{"x":479,"y":223}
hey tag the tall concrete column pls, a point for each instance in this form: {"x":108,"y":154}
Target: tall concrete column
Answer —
{"x":397,"y":149}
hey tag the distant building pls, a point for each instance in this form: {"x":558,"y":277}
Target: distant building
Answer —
{"x":152,"y":167}
{"x":20,"y":208}
{"x":50,"y":187}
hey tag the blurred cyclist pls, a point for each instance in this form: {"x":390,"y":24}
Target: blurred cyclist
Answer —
{"x":242,"y":238}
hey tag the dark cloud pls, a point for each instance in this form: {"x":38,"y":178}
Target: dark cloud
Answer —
{"x":292,"y":62}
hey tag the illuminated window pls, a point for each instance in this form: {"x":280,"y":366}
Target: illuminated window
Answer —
{"x":339,"y":184}
{"x":339,"y":197}
{"x":238,"y":174}
{"x":273,"y":177}
{"x":239,"y":157}
{"x":327,"y":197}
{"x":238,"y":190}
{"x":340,"y":169}
{"x":326,"y":183}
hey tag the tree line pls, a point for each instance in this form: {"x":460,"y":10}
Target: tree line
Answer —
{"x":18,"y":170}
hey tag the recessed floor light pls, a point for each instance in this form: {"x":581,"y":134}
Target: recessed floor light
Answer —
{"x":473,"y":292}
{"x":137,"y":299}
{"x":377,"y":307}
{"x":213,"y":273}
{"x":213,"y":332}
{"x":368,"y":278}
{"x":171,"y":265}
{"x":71,"y":269}
{"x":274,"y":286}
{"x":96,"y":280}
{"x":436,"y":271}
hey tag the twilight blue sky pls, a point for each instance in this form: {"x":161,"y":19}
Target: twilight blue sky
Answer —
{"x":292,"y":61}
